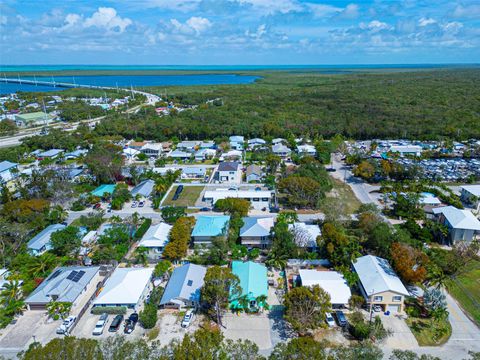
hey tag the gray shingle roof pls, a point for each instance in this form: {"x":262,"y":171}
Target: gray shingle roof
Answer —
{"x":228,"y":166}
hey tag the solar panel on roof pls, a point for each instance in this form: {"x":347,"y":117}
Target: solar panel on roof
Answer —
{"x":72,"y":275}
{"x":189,"y":283}
{"x":78,"y":276}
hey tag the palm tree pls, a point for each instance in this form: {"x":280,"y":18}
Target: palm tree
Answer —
{"x":14,"y":307}
{"x":262,"y":302}
{"x":243,"y":303}
{"x":11,"y":291}
{"x":40,"y":265}
{"x":141,"y":255}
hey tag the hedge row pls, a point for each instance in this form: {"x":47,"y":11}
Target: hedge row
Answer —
{"x":143,"y":228}
{"x":98,"y":310}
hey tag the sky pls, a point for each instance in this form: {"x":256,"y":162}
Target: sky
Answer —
{"x":239,"y":32}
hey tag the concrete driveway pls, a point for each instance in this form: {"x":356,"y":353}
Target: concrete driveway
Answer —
{"x":254,"y":327}
{"x":402,"y":337}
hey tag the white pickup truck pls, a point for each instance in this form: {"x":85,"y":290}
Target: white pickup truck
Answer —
{"x":66,"y":325}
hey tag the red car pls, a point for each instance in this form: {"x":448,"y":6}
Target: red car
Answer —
{"x":97,"y":206}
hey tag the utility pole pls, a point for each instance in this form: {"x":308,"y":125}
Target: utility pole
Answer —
{"x":371,"y":305}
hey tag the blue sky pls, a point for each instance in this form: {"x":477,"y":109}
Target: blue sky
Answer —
{"x":187,"y":32}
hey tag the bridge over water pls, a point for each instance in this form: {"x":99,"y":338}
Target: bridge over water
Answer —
{"x":53,"y":83}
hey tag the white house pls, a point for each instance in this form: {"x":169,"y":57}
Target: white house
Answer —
{"x":330,"y":281}
{"x":258,"y":199}
{"x":229,"y":172}
{"x":306,"y":150}
{"x":379,"y":284}
{"x":179,"y":154}
{"x":152,"y":149}
{"x":194,"y":172}
{"x":155,"y":240}
{"x":469,"y":194}
{"x":125,"y":287}
{"x":462,"y":224}
{"x":254,"y":173}
{"x":281,"y":150}
{"x":8,"y":171}
{"x":253,"y":143}
{"x":203,"y":154}
{"x":231,"y":155}
{"x":188,"y":145}
{"x":255,"y":231}
{"x":415,"y":150}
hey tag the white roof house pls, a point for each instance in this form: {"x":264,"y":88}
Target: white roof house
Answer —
{"x":256,"y":226}
{"x":406,"y":149}
{"x":377,"y":276}
{"x":125,"y":287}
{"x":458,"y":219}
{"x":306,"y":149}
{"x":330,"y":281}
{"x":258,"y":199}
{"x":156,"y":236}
{"x":473,"y":190}
{"x":305,"y":235}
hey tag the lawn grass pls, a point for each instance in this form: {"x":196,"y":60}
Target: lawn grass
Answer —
{"x":343,"y":196}
{"x":466,"y":290}
{"x":424,"y":332}
{"x":188,"y":197}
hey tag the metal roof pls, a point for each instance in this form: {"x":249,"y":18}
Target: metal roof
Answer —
{"x":185,"y":283}
{"x":125,"y":286}
{"x":63,"y":284}
{"x":472,"y":189}
{"x":256,"y":226}
{"x":145,"y":188}
{"x":459,"y":219}
{"x":156,"y":235}
{"x":228,"y":166}
{"x":306,"y":234}
{"x":210,"y":225}
{"x":50,"y":153}
{"x":7,"y":165}
{"x":376,"y":276}
{"x":42,"y":239}
{"x":253,"y":278}
{"x":330,"y":281}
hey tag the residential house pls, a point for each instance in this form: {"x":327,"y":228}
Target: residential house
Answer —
{"x":236,"y":142}
{"x":144,"y":189}
{"x":152,"y":149}
{"x":74,"y":155}
{"x":462,"y":224}
{"x":231,"y":155}
{"x":306,"y":150}
{"x":281,"y":150}
{"x":305,"y":235}
{"x":203,"y":154}
{"x":469,"y":194}
{"x":259,"y":199}
{"x":229,"y":172}
{"x":130,"y":153}
{"x":188,"y":145}
{"x":184,"y":286}
{"x":256,"y":142}
{"x":65,"y":284}
{"x":278,"y":141}
{"x":8,"y":172}
{"x":193,"y":172}
{"x":41,"y":242}
{"x":330,"y":281}
{"x":379,"y":284}
{"x":125,"y":287}
{"x":254,"y":284}
{"x":207,"y":145}
{"x":155,"y":240}
{"x":50,"y":154}
{"x":254,"y":173}
{"x":179,"y":154}
{"x":137,"y":145}
{"x":208,"y":227}
{"x":237,"y":139}
{"x":255,"y":231}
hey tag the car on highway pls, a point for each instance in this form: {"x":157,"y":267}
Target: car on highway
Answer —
{"x":100,"y":325}
{"x":188,"y":318}
{"x":66,"y":325}
{"x":329,"y":319}
{"x":130,"y":323}
{"x":115,"y":325}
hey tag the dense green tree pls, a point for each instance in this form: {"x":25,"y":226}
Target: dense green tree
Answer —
{"x":66,"y":242}
{"x":341,"y":249}
{"x":233,"y":206}
{"x":283,"y":246}
{"x":105,"y":161}
{"x":172,"y":213}
{"x":179,"y":238}
{"x":302,"y":348}
{"x":67,"y":348}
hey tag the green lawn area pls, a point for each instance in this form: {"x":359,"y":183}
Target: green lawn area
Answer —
{"x":343,"y":196}
{"x":424,"y":332}
{"x":188,"y":197}
{"x":466,"y":290}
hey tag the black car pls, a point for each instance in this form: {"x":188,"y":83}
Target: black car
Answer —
{"x":130,"y":323}
{"x":341,"y":319}
{"x":115,"y":325}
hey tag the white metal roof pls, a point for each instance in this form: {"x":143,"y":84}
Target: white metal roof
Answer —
{"x":256,"y":226}
{"x":330,"y":281}
{"x":306,"y":234}
{"x":243,"y":194}
{"x":376,"y":276}
{"x":472,"y":189}
{"x":459,"y":219}
{"x":156,"y":236}
{"x":125,"y":286}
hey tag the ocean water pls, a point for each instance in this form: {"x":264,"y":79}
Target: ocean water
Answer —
{"x":126,"y":81}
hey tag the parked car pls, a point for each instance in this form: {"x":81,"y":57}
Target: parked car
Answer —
{"x":141,"y":203}
{"x":130,"y":323}
{"x":109,"y":208}
{"x":377,"y":308}
{"x":115,"y":325}
{"x":97,"y":206}
{"x":100,"y":325}
{"x":66,"y":325}
{"x":341,"y":319}
{"x":205,"y":209}
{"x":188,"y":318}
{"x":134,"y":204}
{"x":329,"y":319}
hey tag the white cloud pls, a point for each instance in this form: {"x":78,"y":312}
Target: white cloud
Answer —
{"x":175,"y":5}
{"x":350,"y":12}
{"x":261,"y":30}
{"x":273,"y":6}
{"x":468,"y":12}
{"x":72,"y":19}
{"x":107,"y":18}
{"x":3,"y":20}
{"x":322,"y":10}
{"x":375,"y":25}
{"x":426,"y":21}
{"x":199,"y":24}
